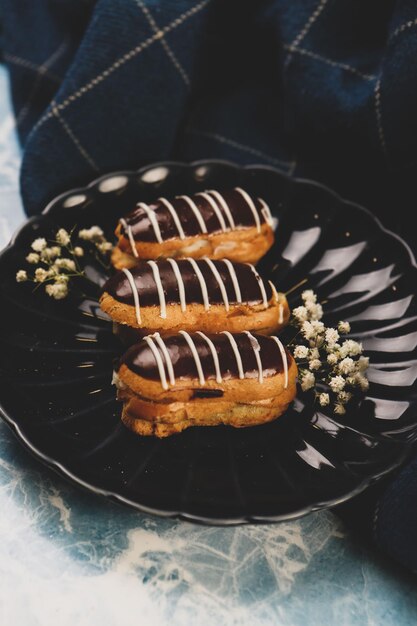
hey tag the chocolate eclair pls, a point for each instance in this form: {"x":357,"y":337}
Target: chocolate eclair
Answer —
{"x":199,"y":379}
{"x":231,"y":224}
{"x":169,"y":295}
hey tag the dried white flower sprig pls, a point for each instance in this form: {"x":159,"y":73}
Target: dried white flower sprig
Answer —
{"x":324,"y":359}
{"x":58,"y":261}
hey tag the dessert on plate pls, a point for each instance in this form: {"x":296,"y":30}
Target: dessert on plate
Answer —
{"x":230,"y":224}
{"x":169,"y":295}
{"x":198,"y":379}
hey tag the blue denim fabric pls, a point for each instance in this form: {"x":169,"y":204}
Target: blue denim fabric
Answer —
{"x":324,"y":89}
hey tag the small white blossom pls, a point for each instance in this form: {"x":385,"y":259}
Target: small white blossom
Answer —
{"x":344,"y":396}
{"x":66,"y":264}
{"x":318,"y":326}
{"x":343,"y":327}
{"x":362,"y":363}
{"x":308,"y":330}
{"x":350,"y":348}
{"x":21,"y":276}
{"x":337,"y":383}
{"x":78,"y":251}
{"x":362,"y":381}
{"x":328,"y":359}
{"x":32,"y":257}
{"x":39,"y":244}
{"x":346,"y":366}
{"x":55,"y":251}
{"x":105,"y":246}
{"x":58,"y":291}
{"x":308,"y":380}
{"x":62,"y":278}
{"x":50,"y":253}
{"x":332,"y":358}
{"x":40,"y":275}
{"x":308,"y":295}
{"x":315,"y":364}
{"x":312,"y":329}
{"x":91,"y":234}
{"x":314,"y":353}
{"x":315,"y":311}
{"x":333,"y":348}
{"x":300,"y":313}
{"x":300,"y":352}
{"x":324,"y":399}
{"x":319,"y":341}
{"x":332,"y":336}
{"x":63,"y":237}
{"x":53,"y":270}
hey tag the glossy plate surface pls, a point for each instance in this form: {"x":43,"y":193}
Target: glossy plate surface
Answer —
{"x":56,"y":361}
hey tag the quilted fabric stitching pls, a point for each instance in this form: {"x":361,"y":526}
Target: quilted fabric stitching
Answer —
{"x":403,"y":28}
{"x":378,"y":112}
{"x":164,"y":43}
{"x":319,"y":57}
{"x":41,"y":72}
{"x":123,"y":59}
{"x":240,"y":146}
{"x":75,"y":140}
{"x":17,"y":60}
{"x":313,"y":17}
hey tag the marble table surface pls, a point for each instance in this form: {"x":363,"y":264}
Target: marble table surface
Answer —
{"x":68,"y":557}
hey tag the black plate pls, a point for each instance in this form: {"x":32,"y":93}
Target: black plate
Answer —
{"x":56,"y":361}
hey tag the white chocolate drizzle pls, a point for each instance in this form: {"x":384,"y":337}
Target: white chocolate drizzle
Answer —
{"x":274,"y":290}
{"x":156,"y":337}
{"x":196,"y":212}
{"x":180,"y":282}
{"x":266,"y":212}
{"x":214,"y":354}
{"x":202,"y":282}
{"x":217,"y":203}
{"x":215,"y":208}
{"x":160,"y":288}
{"x":251,"y":205}
{"x":225,"y":206}
{"x":135,"y":294}
{"x":167,"y":357}
{"x":257,"y":351}
{"x":261,"y":285}
{"x":158,"y":360}
{"x":182,"y":296}
{"x":174,"y":215}
{"x":284,"y":359}
{"x":219,"y":282}
{"x":153,"y":220}
{"x":128,"y":230}
{"x":276,"y":298}
{"x":234,"y":278}
{"x":197,"y":361}
{"x":235,"y":349}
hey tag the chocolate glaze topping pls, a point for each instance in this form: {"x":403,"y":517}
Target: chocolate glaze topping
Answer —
{"x":141,"y":360}
{"x":242,"y":215}
{"x":119,"y":287}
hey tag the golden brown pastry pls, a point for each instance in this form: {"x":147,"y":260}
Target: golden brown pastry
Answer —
{"x":198,"y":379}
{"x":232,"y":225}
{"x":207,"y":295}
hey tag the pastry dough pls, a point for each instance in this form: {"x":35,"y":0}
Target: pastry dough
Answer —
{"x":169,"y":295}
{"x":231,"y":224}
{"x":198,"y":379}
